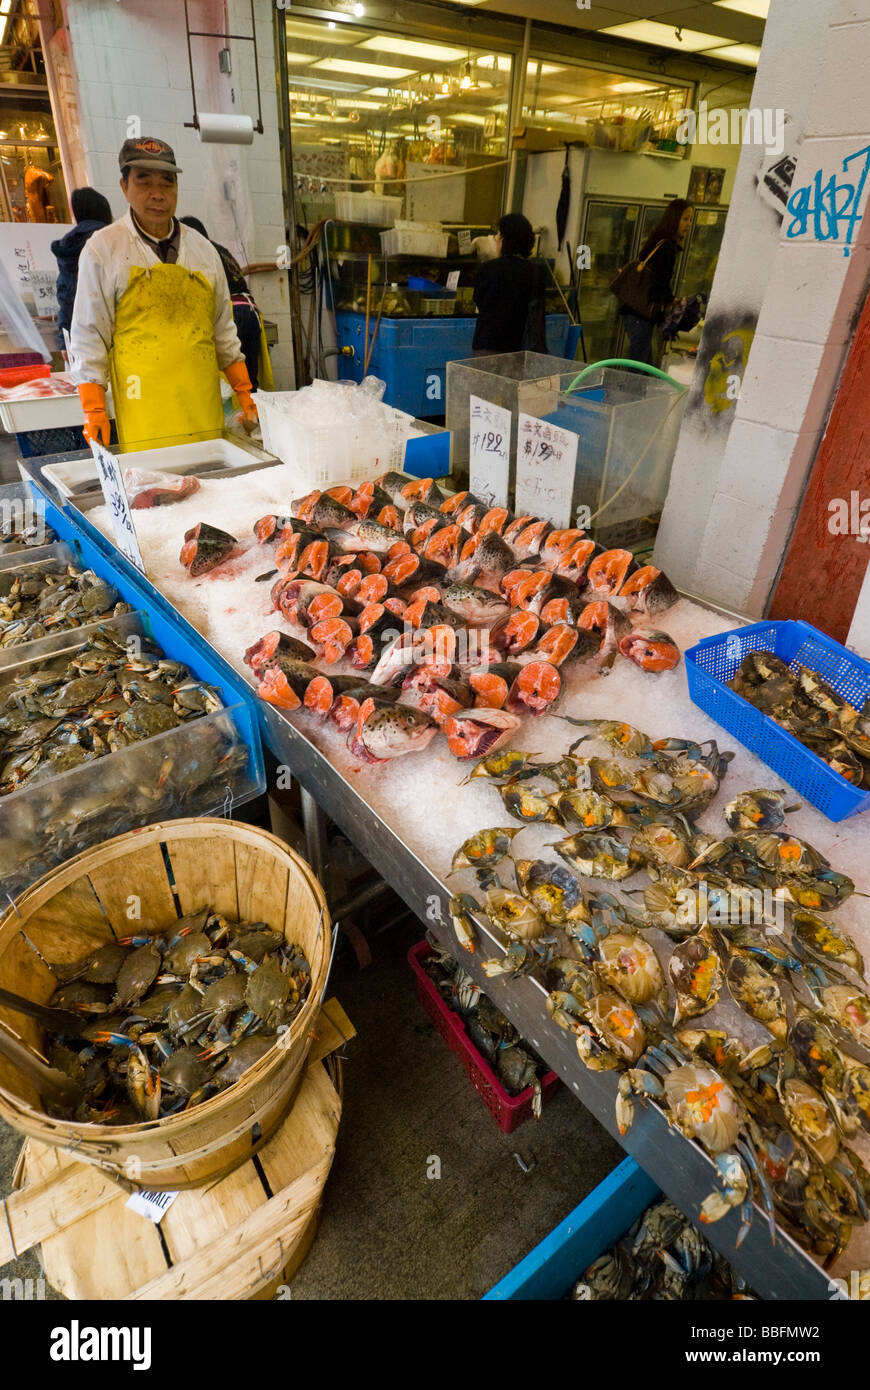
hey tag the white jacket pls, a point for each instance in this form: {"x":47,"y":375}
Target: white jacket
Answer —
{"x":104,"y":274}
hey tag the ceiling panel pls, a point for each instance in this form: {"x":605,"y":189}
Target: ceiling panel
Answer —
{"x":737,"y":28}
{"x":693,"y":14}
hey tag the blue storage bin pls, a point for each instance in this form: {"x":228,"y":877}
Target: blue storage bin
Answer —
{"x":428,"y":456}
{"x":715,"y":660}
{"x":553,"y":1267}
{"x":411,"y":355}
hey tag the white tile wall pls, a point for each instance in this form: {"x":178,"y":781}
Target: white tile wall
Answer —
{"x":746,"y":506}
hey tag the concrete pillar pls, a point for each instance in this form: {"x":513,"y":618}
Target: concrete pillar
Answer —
{"x":753,"y":421}
{"x":131,"y":63}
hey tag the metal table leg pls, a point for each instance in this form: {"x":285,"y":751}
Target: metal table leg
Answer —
{"x":314,"y":825}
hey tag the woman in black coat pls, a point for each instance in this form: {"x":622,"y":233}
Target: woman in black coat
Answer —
{"x":665,"y":242}
{"x":510,"y":293}
{"x":91,"y":212}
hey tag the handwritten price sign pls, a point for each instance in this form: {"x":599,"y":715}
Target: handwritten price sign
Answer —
{"x":489,"y":451}
{"x":112,"y":483}
{"x":44,"y":286}
{"x":546,"y":463}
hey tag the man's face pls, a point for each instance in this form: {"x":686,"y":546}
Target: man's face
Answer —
{"x":152,"y":195}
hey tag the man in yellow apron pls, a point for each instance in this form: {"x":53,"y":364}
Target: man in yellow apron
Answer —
{"x":153,"y":316}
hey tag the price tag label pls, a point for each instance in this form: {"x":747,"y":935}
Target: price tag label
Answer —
{"x":453,"y":280}
{"x":112,"y":483}
{"x":464,"y":239}
{"x":546,"y":464}
{"x":152,"y":1205}
{"x":489,"y":451}
{"x":44,"y":286}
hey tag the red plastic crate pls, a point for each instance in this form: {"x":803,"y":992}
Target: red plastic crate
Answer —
{"x":508,"y":1111}
{"x":15,"y":376}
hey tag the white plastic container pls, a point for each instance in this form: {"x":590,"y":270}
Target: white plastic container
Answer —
{"x":415,"y":239}
{"x":377,"y":209}
{"x":73,"y":477}
{"x":337,"y":447}
{"x":46,"y":412}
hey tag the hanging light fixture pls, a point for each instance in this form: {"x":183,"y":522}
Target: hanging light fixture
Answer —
{"x":465,"y":84}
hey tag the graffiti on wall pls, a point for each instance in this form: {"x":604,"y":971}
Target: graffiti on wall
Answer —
{"x":723,"y":353}
{"x":827,"y":209}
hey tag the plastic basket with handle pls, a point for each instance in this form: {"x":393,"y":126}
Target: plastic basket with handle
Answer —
{"x":711,"y":663}
{"x":508,"y":1111}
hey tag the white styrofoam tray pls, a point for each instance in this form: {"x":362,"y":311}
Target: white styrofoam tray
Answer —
{"x":73,"y":477}
{"x":46,"y":413}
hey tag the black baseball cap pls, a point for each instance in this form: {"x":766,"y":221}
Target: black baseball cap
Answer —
{"x":148,"y":153}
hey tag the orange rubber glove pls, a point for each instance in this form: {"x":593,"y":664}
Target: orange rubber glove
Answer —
{"x":237,"y":375}
{"x":97,"y":424}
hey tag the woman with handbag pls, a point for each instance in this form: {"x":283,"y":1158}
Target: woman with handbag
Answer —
{"x":510,"y":293}
{"x":645,"y":286}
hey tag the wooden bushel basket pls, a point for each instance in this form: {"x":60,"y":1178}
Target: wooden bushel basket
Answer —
{"x":172,"y":869}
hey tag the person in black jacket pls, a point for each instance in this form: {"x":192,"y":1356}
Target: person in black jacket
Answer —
{"x":91,"y":212}
{"x":510,"y":293}
{"x":665,"y":241}
{"x":245,"y":312}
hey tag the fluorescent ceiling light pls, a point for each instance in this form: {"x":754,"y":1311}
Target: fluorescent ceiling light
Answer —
{"x":409,"y":48}
{"x":298,"y":59}
{"x":503,"y":64}
{"x":757,"y":8}
{"x":633,"y":87}
{"x":377,"y":91}
{"x":748,"y":53}
{"x":468,"y":120}
{"x":359,"y":105}
{"x":368,"y":69}
{"x":664,"y":35}
{"x":324,"y":84}
{"x":316,"y":32}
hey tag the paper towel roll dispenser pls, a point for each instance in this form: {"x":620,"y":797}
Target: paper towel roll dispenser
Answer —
{"x":217,"y":127}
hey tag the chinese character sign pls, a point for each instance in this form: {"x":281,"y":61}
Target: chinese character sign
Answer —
{"x":489,"y":451}
{"x":112,"y":483}
{"x":546,"y":463}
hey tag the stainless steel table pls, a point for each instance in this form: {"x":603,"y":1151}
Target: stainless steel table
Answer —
{"x":682,"y":1170}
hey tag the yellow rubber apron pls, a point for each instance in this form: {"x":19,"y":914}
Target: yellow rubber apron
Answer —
{"x":163,"y":365}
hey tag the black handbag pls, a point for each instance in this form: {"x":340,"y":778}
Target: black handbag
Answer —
{"x":631,"y":285}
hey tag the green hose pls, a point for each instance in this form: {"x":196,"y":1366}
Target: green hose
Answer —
{"x":624,"y":362}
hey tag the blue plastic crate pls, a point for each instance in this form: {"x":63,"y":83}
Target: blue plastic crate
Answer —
{"x":553,"y":1267}
{"x":65,"y":440}
{"x":715,"y":660}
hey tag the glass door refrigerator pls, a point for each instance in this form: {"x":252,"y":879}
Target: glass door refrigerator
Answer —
{"x":610,"y":232}
{"x":702,"y":251}
{"x":615,"y":232}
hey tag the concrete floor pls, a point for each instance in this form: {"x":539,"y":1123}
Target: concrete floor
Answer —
{"x":387,"y":1231}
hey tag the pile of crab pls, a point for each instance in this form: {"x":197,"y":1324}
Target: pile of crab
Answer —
{"x":749,"y":913}
{"x":167,"y":1021}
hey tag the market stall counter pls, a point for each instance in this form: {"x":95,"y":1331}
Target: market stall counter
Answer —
{"x":408,"y":817}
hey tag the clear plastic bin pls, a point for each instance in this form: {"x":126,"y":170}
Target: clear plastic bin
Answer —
{"x":374,"y":208}
{"x":627,"y":425}
{"x":203,"y":767}
{"x":414,"y":241}
{"x":21,"y":506}
{"x":526,"y":383}
{"x":350,"y":449}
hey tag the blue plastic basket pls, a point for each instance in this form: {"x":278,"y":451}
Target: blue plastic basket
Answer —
{"x":601,"y":1219}
{"x":714,"y":661}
